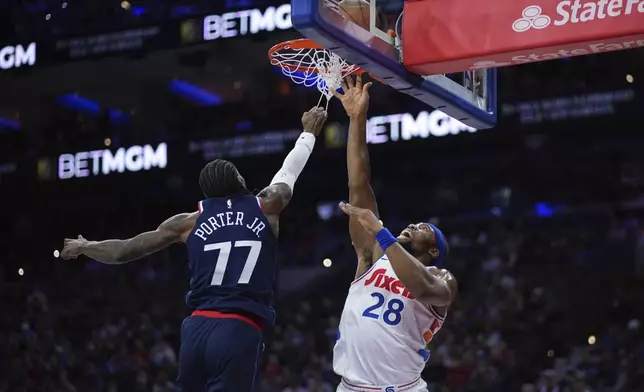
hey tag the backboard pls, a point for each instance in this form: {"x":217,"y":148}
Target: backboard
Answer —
{"x":378,"y":53}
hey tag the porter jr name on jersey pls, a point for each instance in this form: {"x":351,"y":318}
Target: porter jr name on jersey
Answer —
{"x":229,"y":218}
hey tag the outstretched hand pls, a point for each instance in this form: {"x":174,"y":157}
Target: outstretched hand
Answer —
{"x":73,"y":247}
{"x":356,"y":96}
{"x":314,"y":120}
{"x":366,"y":217}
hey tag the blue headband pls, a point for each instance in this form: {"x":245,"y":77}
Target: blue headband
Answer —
{"x":441,"y":244}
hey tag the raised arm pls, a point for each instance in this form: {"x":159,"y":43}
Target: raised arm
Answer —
{"x":356,"y":103}
{"x":278,"y":194}
{"x":432,"y":287}
{"x":175,"y":229}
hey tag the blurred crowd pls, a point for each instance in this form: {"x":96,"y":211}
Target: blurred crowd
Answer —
{"x":551,"y":295}
{"x":545,"y":305}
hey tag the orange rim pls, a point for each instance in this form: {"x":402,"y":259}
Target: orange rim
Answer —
{"x":296,"y":44}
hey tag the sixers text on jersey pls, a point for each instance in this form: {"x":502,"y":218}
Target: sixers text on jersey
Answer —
{"x":380,"y":279}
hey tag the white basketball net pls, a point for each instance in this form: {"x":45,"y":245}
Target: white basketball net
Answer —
{"x":317,"y":67}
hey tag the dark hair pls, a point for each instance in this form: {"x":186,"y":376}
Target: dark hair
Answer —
{"x":220,"y":178}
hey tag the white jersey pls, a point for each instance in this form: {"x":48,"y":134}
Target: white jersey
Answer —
{"x":384,"y":331}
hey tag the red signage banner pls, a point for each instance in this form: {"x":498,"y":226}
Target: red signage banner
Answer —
{"x":442,"y":36}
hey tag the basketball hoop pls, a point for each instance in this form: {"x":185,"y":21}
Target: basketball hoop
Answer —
{"x":309,"y":64}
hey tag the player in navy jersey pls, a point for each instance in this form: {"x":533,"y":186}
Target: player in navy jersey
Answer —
{"x":232,"y":249}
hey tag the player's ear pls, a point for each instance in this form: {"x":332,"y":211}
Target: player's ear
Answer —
{"x":433,"y":252}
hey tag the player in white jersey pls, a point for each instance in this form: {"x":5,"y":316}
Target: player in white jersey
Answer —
{"x":399,"y":299}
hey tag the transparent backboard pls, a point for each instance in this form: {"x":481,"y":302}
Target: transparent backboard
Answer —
{"x":468,"y":97}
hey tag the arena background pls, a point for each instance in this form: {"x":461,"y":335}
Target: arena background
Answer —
{"x":108,"y":110}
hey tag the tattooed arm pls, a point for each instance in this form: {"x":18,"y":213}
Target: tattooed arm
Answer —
{"x":175,"y":229}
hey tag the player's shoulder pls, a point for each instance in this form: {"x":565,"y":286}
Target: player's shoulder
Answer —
{"x":447,"y":276}
{"x":441,"y":273}
{"x":275,"y":198}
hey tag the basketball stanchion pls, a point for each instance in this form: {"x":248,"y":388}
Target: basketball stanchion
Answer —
{"x":360,"y":32}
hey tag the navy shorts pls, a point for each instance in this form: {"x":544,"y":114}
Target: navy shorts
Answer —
{"x":219,"y":353}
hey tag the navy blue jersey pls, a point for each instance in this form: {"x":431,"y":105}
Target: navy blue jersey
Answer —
{"x":233,"y":258}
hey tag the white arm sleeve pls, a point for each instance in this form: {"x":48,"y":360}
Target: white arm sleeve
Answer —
{"x":295,"y":161}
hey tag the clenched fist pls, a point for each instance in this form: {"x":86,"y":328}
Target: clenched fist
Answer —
{"x":314,"y":120}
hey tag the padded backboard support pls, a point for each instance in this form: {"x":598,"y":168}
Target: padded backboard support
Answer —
{"x":328,"y":28}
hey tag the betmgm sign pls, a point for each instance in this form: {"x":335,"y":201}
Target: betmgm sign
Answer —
{"x":105,"y":162}
{"x":17,"y":56}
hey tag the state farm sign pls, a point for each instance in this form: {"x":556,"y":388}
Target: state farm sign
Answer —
{"x":508,"y":33}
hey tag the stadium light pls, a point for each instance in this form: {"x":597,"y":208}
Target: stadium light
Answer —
{"x":84,"y":105}
{"x":9,"y":124}
{"x":138,"y":11}
{"x":194,"y":94}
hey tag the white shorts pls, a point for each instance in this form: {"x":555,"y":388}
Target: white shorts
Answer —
{"x":417,"y":385}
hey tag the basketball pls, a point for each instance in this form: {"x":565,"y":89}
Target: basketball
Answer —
{"x":357,"y":11}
